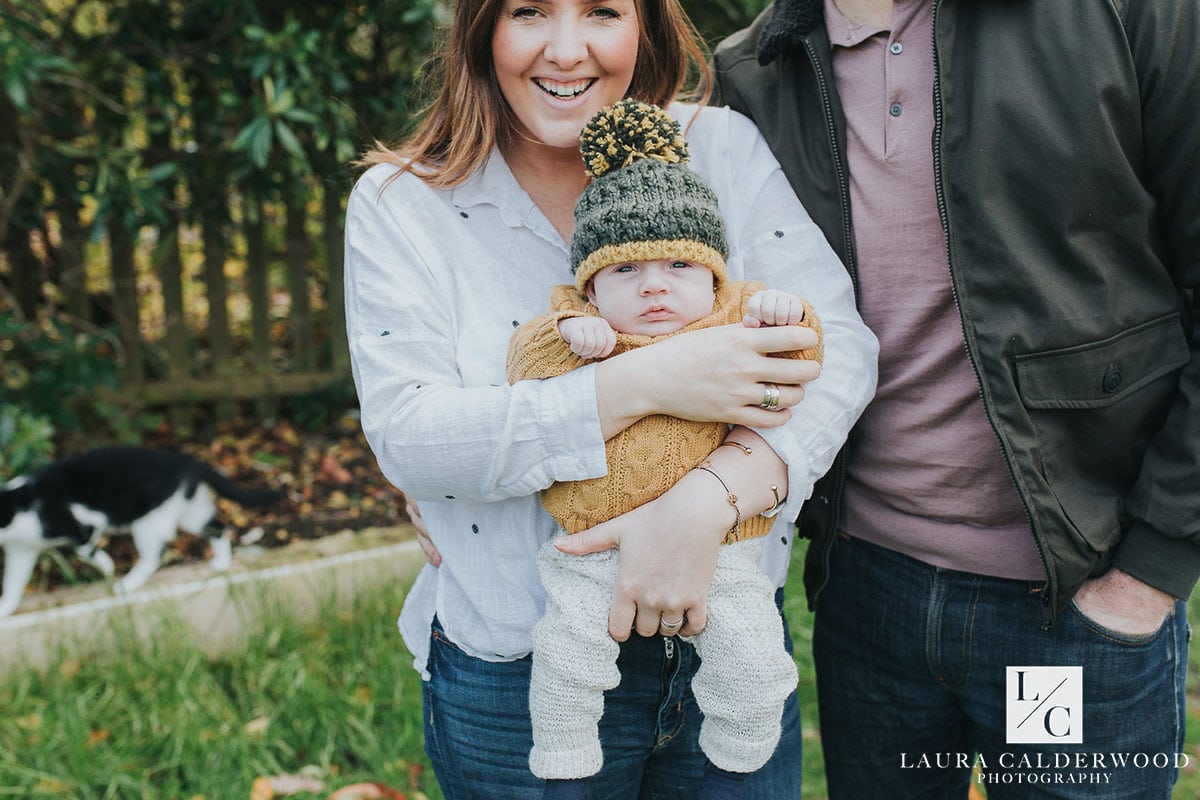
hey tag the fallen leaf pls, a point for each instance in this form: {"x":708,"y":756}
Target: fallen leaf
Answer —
{"x":368,"y":791}
{"x":257,"y":727}
{"x":284,"y":785}
{"x":261,"y":790}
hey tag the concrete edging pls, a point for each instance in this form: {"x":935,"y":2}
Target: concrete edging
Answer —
{"x":215,"y":609}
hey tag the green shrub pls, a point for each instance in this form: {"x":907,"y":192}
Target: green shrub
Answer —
{"x":26,"y":441}
{"x":52,"y":370}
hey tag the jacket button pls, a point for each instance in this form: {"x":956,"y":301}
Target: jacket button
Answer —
{"x":1112,"y":380}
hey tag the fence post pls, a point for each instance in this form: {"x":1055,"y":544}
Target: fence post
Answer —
{"x":219,"y":338}
{"x":125,"y":300}
{"x":258,"y":287}
{"x":296,"y":254}
{"x":332,"y":213}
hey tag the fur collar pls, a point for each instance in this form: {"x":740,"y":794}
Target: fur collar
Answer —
{"x":789,"y":21}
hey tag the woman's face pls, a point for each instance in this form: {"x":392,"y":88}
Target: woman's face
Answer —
{"x":558,"y":62}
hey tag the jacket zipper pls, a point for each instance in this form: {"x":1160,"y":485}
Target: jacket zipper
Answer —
{"x":1049,"y":589}
{"x":851,"y":267}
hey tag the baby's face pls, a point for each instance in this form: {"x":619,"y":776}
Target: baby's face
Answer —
{"x":652,"y":297}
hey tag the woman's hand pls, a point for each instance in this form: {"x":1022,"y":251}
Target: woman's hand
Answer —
{"x":669,"y":545}
{"x":668,"y":556}
{"x":715,"y":375}
{"x":414,"y":513}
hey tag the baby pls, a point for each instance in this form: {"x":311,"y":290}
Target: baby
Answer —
{"x":648,"y":253}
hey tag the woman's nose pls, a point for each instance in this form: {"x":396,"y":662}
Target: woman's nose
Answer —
{"x":567,"y":45}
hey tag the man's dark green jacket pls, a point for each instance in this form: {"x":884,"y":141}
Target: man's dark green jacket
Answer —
{"x":1066,"y":151}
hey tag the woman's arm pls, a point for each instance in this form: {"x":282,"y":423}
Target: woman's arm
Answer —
{"x":669,"y":546}
{"x":715,"y":374}
{"x":435,"y":407}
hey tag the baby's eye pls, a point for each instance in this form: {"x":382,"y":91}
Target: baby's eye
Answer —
{"x":624,"y":268}
{"x":680,"y":265}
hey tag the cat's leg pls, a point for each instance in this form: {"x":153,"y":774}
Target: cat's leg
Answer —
{"x":222,"y":549}
{"x":148,"y":539}
{"x":101,"y":561}
{"x":91,"y":553}
{"x":199,"y":517}
{"x":18,"y":566}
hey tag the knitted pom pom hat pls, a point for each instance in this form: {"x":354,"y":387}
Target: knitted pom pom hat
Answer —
{"x":643,"y":203}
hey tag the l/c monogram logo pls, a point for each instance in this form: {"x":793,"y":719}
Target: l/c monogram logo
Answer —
{"x":1044,"y":705}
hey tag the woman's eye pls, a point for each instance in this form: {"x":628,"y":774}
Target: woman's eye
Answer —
{"x":608,"y":13}
{"x":524,"y":12}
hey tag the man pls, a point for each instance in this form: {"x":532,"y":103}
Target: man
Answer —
{"x":1015,"y":188}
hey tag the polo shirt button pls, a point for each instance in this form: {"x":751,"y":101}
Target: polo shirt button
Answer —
{"x":896,"y":48}
{"x":1112,"y":380}
{"x":895,"y":109}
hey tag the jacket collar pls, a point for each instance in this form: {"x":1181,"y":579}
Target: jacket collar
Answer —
{"x":789,"y":22}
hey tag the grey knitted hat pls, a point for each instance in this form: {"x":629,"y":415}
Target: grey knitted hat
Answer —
{"x":642,"y":203}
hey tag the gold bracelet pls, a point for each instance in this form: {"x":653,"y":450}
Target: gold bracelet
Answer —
{"x":744,"y":448}
{"x":778,"y":501}
{"x":730,"y":498}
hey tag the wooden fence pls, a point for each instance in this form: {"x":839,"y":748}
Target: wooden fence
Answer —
{"x":191,"y":306}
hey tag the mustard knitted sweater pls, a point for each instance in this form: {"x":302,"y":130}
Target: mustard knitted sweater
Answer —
{"x":651,"y":455}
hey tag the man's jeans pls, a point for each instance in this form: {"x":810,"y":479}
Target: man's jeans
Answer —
{"x":478,"y":734}
{"x":911,"y":674}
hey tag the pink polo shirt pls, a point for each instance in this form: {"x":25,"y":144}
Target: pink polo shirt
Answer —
{"x":925,"y":474}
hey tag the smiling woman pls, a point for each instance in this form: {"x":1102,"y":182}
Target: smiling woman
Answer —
{"x":559,"y":63}
{"x":454,"y":239}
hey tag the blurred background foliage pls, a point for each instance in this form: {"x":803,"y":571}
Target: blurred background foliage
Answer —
{"x":132,"y":129}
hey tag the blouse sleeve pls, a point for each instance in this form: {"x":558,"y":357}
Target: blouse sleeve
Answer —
{"x":773,"y":240}
{"x":433,"y":436}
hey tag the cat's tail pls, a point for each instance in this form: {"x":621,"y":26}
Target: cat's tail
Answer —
{"x":250,"y":498}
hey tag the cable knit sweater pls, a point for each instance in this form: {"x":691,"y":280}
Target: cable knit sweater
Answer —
{"x":651,"y":455}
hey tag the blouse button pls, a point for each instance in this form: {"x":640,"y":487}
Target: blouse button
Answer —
{"x":896,"y":48}
{"x":895,"y":109}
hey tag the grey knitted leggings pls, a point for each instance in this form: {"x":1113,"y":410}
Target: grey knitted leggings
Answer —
{"x":744,"y":678}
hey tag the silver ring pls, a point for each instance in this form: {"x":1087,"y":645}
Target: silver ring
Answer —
{"x":771,"y":395}
{"x":672,"y":626}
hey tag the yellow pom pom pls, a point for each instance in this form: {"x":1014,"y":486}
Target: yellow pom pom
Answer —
{"x":627,"y":131}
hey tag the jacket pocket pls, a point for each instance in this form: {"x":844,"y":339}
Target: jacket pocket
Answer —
{"x":1102,"y":373}
{"x":1094,"y":408}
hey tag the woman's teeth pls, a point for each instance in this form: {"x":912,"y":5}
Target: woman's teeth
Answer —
{"x":564,"y":90}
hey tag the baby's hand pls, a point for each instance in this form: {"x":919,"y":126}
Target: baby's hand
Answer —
{"x":588,"y":337}
{"x":772,"y":308}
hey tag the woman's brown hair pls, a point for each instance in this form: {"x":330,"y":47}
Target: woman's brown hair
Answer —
{"x":456,"y":132}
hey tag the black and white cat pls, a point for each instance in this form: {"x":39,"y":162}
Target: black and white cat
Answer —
{"x":148,"y":493}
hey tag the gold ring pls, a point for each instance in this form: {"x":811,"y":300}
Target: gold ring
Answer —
{"x":771,"y":395}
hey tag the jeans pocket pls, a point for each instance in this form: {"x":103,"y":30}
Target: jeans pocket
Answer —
{"x":1119,"y":637}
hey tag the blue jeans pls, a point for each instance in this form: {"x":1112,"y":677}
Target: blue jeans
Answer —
{"x":911,"y":668}
{"x":478,"y":734}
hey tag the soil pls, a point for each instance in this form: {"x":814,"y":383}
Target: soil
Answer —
{"x":331,"y":482}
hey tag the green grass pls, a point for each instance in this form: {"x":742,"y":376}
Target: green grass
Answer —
{"x":336,"y":699}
